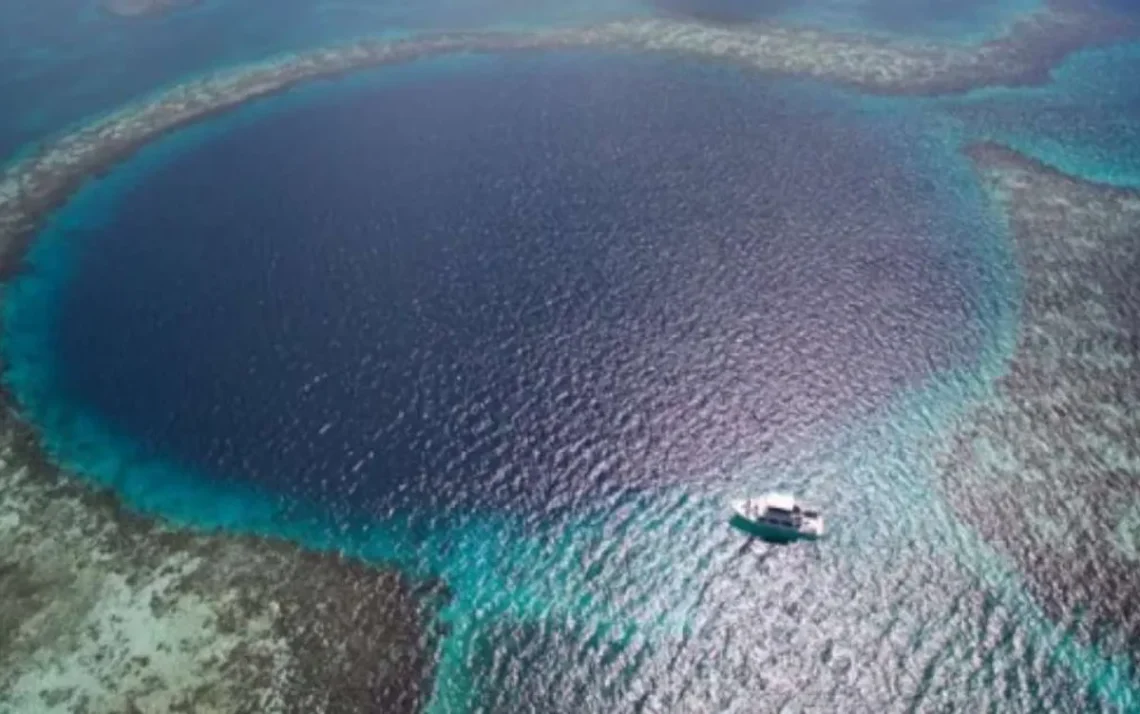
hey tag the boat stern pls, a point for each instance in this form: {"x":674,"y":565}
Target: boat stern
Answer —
{"x":813,"y":527}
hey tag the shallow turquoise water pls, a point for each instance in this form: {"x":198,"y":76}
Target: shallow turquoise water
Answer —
{"x":647,"y":600}
{"x":1084,"y":122}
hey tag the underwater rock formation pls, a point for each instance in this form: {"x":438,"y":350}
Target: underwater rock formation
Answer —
{"x":107,"y":613}
{"x":1048,"y":467}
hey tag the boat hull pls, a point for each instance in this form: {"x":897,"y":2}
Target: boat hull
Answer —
{"x":769,"y":531}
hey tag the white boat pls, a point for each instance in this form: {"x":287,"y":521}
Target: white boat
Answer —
{"x":778,"y":516}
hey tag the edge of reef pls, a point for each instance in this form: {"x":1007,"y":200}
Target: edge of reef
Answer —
{"x":102,"y":610}
{"x":1056,"y":446}
{"x":1027,"y":54}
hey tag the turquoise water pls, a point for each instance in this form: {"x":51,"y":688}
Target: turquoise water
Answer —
{"x":646,"y":599}
{"x":47,"y":48}
{"x":1084,"y":122}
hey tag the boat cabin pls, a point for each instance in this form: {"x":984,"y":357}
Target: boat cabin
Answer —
{"x":780,"y":513}
{"x":783,"y":511}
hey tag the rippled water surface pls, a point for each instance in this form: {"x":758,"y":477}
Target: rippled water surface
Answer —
{"x":527,"y":323}
{"x":567,"y":277}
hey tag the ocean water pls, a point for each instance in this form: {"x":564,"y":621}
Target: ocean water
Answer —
{"x":917,"y":20}
{"x":526,"y":323}
{"x":516,"y":285}
{"x":384,"y":362}
{"x":1084,"y":122}
{"x":49,"y":47}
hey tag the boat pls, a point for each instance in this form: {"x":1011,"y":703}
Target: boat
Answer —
{"x":778,"y":516}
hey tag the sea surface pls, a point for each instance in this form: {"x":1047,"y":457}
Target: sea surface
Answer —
{"x":527,"y":323}
{"x":515,"y":285}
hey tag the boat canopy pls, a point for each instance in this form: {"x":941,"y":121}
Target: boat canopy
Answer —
{"x":781,"y":502}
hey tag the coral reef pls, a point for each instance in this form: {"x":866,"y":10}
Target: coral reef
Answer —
{"x":105,"y":612}
{"x":1025,"y":56}
{"x":1032,"y":48}
{"x":1048,"y":466}
{"x":101,"y":611}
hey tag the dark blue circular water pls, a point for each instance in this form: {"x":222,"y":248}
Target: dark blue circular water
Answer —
{"x":518,"y":285}
{"x":449,"y":294}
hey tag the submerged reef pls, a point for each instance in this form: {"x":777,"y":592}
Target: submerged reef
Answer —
{"x":139,"y":8}
{"x":1033,"y":46}
{"x":1048,"y":466}
{"x":108,"y":613}
{"x":1024,"y":56}
{"x":104,"y":611}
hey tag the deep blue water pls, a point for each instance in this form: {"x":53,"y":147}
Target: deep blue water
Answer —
{"x":489,"y":290}
{"x":521,"y":285}
{"x":48,"y":48}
